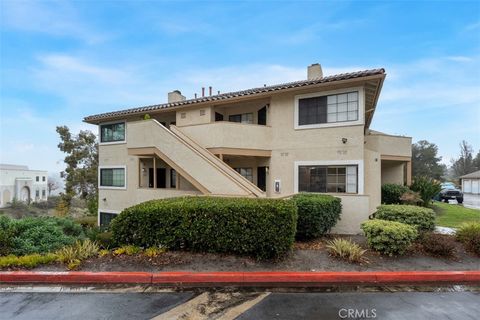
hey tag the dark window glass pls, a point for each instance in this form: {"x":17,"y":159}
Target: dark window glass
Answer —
{"x":327,"y":179}
{"x":43,"y":178}
{"x":247,"y":173}
{"x":312,"y":110}
{"x":112,"y":132}
{"x":37,"y":179}
{"x":106,"y":218}
{"x":44,"y":193}
{"x":327,"y":109}
{"x":173,"y":178}
{"x":243,"y":118}
{"x":114,"y":177}
{"x":37,"y":193}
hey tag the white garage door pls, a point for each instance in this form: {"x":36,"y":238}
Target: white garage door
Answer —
{"x":475,"y":187}
{"x":467,"y":186}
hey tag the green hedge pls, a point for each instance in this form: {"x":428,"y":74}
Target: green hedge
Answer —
{"x":389,"y":237}
{"x":37,"y":234}
{"x":391,"y":193}
{"x":264,"y":228}
{"x":422,"y":218}
{"x":317,"y":214}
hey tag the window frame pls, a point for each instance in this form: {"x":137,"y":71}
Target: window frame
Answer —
{"x":105,"y":211}
{"x":333,"y":163}
{"x":111,"y":142}
{"x":100,"y":168}
{"x":241,"y":115}
{"x":239,"y":169}
{"x":361,"y":109}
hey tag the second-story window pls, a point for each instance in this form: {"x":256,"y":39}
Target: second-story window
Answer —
{"x":112,"y":132}
{"x":242,"y":118}
{"x":328,"y":109}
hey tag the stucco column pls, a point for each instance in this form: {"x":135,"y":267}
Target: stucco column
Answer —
{"x":409,"y":173}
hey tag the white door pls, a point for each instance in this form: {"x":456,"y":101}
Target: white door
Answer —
{"x":475,"y":186}
{"x":467,"y":186}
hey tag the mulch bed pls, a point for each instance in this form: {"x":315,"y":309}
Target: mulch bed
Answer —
{"x":306,"y":256}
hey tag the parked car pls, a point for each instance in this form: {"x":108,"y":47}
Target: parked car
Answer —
{"x":450,"y":191}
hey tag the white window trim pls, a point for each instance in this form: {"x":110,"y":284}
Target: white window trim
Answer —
{"x":112,"y":167}
{"x":117,"y":212}
{"x":358,"y":163}
{"x":361,"y":109}
{"x":100,"y":143}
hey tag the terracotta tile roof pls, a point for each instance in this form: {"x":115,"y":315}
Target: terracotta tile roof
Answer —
{"x":229,"y":95}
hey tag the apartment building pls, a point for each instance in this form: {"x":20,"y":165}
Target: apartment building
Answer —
{"x":273,"y":141}
{"x":20,"y":183}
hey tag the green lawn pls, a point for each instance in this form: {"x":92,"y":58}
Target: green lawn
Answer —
{"x":453,"y":215}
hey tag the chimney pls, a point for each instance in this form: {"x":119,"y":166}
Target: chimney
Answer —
{"x":175,"y":96}
{"x":210,"y":90}
{"x":314,"y":71}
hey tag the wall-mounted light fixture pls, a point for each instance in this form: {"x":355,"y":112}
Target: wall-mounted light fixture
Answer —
{"x":344,"y":140}
{"x":267,"y":169}
{"x":104,"y":199}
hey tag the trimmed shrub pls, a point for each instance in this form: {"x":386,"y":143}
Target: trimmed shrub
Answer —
{"x":422,"y":218}
{"x":389,"y":237}
{"x":346,"y":249}
{"x":391,"y":193}
{"x":264,"y":228}
{"x":439,"y":244}
{"x":427,"y":187}
{"x":469,"y":235}
{"x":28,"y":261}
{"x":468,"y":231}
{"x":317,"y":214}
{"x":39,"y":235}
{"x":412,"y":198}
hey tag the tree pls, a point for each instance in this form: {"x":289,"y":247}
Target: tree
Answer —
{"x":52,"y":184}
{"x":465,"y":163}
{"x":425,"y":160}
{"x":476,"y":161}
{"x":82,"y":164}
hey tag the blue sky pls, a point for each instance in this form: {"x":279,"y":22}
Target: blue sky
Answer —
{"x":61,"y":61}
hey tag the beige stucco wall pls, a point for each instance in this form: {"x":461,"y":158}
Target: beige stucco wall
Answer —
{"x":195,"y":115}
{"x":230,"y":135}
{"x":355,"y":210}
{"x":393,"y":172}
{"x":389,"y":144}
{"x":373,"y":179}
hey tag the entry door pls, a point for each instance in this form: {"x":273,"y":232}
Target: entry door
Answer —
{"x":262,"y":116}
{"x":262,"y":178}
{"x":161,"y":177}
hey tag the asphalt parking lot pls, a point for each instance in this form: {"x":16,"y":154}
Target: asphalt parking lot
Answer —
{"x":240,"y":305}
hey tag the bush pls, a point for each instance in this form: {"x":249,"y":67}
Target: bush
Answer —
{"x":264,"y":228}
{"x":422,"y":218}
{"x":427,"y":187}
{"x":468,"y":231}
{"x":439,"y":244}
{"x":73,"y":255}
{"x":317,"y":214}
{"x":389,"y":237}
{"x":391,"y":193}
{"x":469,"y":235}
{"x":87,"y":221}
{"x":412,"y":198}
{"x":128,"y":250}
{"x":154,"y":251}
{"x":28,"y":261}
{"x":346,"y":249}
{"x":103,"y":238}
{"x":38,"y":235}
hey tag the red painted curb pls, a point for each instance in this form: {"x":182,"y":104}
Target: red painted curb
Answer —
{"x":246,"y":278}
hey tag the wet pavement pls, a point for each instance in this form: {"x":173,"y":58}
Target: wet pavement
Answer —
{"x":241,"y":304}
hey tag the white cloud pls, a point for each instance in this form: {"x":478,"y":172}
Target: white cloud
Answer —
{"x":57,"y":18}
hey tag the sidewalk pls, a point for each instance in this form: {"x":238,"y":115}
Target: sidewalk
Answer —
{"x":249,"y":279}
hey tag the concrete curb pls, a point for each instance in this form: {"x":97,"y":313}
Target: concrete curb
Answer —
{"x":250,"y":279}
